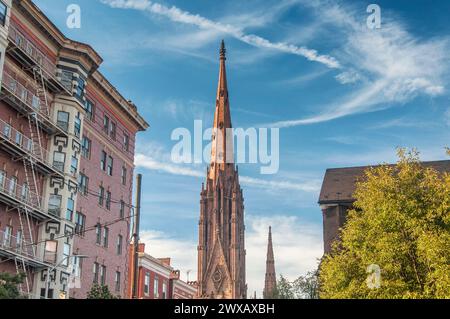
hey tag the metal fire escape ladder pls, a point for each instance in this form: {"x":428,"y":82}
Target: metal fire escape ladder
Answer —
{"x":41,"y":91}
{"x":22,"y":268}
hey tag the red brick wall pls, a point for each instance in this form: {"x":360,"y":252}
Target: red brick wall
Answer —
{"x":88,"y":205}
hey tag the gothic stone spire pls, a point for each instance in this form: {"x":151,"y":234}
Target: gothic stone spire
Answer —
{"x":271,"y":278}
{"x":222,"y":157}
{"x":221,"y":249}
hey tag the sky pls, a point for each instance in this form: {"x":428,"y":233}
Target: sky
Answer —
{"x":341,"y":93}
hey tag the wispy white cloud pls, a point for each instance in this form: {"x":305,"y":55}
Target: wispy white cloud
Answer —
{"x":163,"y":164}
{"x":177,"y":15}
{"x":297,"y":246}
{"x":390,"y":64}
{"x":404,"y":123}
{"x":348,"y":77}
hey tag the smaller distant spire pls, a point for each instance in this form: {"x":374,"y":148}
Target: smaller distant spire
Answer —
{"x":271,"y":278}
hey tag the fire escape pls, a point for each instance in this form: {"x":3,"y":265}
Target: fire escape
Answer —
{"x":32,"y":104}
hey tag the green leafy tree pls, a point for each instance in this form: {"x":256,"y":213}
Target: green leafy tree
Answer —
{"x":100,"y":292}
{"x":307,"y":287}
{"x":284,"y":289}
{"x":401,"y":224}
{"x":9,"y":285}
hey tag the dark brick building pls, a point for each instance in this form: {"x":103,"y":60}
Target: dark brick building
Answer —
{"x":336,"y":197}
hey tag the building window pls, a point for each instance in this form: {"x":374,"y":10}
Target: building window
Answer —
{"x":70,"y":208}
{"x":124,"y":175}
{"x":126,"y":141}
{"x":35,"y":102}
{"x":19,"y":138}
{"x":80,"y":88}
{"x":25,"y":192}
{"x":106,"y":124}
{"x":110,"y":166}
{"x":96,"y":270}
{"x":164,"y":290}
{"x":7,"y":130}
{"x":122,"y":209}
{"x":101,"y":195}
{"x":2,"y":179}
{"x":112,"y":130}
{"x":74,"y":165}
{"x":77,"y":127}
{"x":63,"y":120}
{"x":66,"y":79}
{"x":105,"y":236}
{"x":3,"y":9}
{"x":76,"y":269}
{"x":54,"y":204}
{"x":119,"y":244}
{"x":80,"y":223}
{"x":98,"y":234}
{"x":12,"y":185}
{"x":19,"y":240}
{"x":83,"y":183}
{"x":103,"y":161}
{"x":108,"y":200}
{"x":89,"y":107}
{"x":7,"y":236}
{"x":51,"y":247}
{"x":86,"y":147}
{"x":59,"y":160}
{"x":66,"y":255}
{"x":156,"y":287}
{"x":147,"y":283}
{"x":117,"y":282}
{"x":103,"y":275}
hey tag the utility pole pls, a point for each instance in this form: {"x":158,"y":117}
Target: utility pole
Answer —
{"x":137,"y":214}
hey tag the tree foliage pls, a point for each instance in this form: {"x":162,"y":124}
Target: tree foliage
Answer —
{"x":304,"y":287}
{"x":100,"y":292}
{"x":400,"y":222}
{"x":9,"y":285}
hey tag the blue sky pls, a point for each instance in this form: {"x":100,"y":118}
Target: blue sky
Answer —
{"x":341,"y":94}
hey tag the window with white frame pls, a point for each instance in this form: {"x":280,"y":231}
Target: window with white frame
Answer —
{"x":70,"y":208}
{"x":147,"y":283}
{"x":3,"y":11}
{"x":66,"y":255}
{"x":74,"y":165}
{"x":59,"y":160}
{"x":156,"y":287}
{"x":63,"y":120}
{"x":117,"y":282}
{"x":110,"y":166}
{"x":54,"y":204}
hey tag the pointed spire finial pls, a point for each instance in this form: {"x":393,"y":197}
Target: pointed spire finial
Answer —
{"x":223,"y":51}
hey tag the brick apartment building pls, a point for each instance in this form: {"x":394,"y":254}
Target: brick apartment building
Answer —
{"x":157,"y":279}
{"x":66,"y":160}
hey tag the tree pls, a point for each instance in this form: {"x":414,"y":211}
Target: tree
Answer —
{"x":284,"y":289}
{"x":304,"y":287}
{"x":100,"y":292}
{"x":9,"y":285}
{"x":307,"y":287}
{"x":400,"y":225}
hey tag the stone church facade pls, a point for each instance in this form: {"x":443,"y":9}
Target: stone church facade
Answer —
{"x":221,"y":248}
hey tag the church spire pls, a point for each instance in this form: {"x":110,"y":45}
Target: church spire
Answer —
{"x":222,"y":143}
{"x":271,"y":278}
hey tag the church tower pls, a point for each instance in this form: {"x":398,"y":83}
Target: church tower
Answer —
{"x":221,"y":250}
{"x":271,"y":277}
